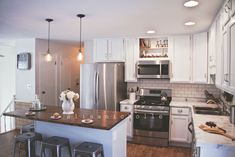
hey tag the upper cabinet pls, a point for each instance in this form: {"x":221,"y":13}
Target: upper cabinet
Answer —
{"x":179,"y":49}
{"x":232,"y":55}
{"x":188,"y":55}
{"x":131,"y":51}
{"x":109,"y":50}
{"x":199,"y":63}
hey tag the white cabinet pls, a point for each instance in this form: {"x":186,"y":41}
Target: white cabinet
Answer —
{"x":218,"y":78}
{"x":180,"y":119}
{"x":232,"y":55}
{"x":199,"y":58}
{"x":131,"y":51}
{"x":232,"y":13}
{"x":126,"y":106}
{"x":109,"y":50}
{"x":179,"y":49}
{"x":212,"y":49}
{"x":225,"y":60}
{"x":226,"y":11}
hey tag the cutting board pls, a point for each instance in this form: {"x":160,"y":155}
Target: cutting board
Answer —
{"x":215,"y":130}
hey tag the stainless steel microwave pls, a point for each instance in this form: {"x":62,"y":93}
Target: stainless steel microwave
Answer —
{"x":153,"y":69}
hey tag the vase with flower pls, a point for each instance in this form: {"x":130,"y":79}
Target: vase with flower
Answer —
{"x":68,"y":97}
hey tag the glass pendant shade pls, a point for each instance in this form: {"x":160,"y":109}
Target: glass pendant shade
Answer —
{"x":48,"y":57}
{"x":80,"y":55}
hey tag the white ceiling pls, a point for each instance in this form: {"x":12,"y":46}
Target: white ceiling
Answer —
{"x":104,"y":18}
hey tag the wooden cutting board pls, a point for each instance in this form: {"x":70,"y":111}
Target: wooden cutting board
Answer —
{"x":215,"y":130}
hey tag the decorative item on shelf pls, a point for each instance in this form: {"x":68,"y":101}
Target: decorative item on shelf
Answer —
{"x":80,"y":56}
{"x":48,"y":56}
{"x":68,"y":97}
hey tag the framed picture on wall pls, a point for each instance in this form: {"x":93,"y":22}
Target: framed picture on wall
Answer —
{"x":24,"y":61}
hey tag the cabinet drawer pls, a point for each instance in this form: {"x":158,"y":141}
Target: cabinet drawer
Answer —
{"x":180,"y":111}
{"x":126,"y":108}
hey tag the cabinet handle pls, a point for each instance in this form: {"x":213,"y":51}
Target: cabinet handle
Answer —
{"x":189,"y":129}
{"x":180,"y":111}
{"x":125,"y":108}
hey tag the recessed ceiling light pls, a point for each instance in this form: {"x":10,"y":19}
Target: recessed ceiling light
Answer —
{"x":151,"y":32}
{"x":191,"y":3}
{"x":189,"y":23}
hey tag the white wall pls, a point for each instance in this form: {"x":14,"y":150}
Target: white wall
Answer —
{"x":25,"y":79}
{"x":7,"y":77}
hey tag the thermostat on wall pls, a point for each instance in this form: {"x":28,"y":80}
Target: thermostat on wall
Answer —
{"x":24,"y":61}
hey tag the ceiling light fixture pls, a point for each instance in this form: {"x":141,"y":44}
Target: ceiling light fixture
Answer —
{"x":189,"y":23}
{"x":191,"y":3}
{"x":151,"y":32}
{"x":80,"y":56}
{"x":48,"y":56}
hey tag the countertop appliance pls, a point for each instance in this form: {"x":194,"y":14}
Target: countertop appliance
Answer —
{"x":153,"y":69}
{"x":151,"y":117}
{"x":102,"y":86}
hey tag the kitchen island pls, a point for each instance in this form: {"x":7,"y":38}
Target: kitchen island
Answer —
{"x":108,"y":127}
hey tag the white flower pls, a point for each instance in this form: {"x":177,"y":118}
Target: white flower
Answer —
{"x":68,"y":95}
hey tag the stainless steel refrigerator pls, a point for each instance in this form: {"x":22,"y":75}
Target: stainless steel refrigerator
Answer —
{"x":102,"y":86}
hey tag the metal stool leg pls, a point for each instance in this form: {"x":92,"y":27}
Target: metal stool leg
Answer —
{"x":70,"y":152}
{"x":14,"y":149}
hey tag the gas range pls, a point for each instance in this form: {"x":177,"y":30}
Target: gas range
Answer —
{"x":153,"y":99}
{"x":151,"y":116}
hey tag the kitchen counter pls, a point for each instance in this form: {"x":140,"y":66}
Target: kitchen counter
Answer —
{"x":206,"y":140}
{"x":108,"y":128}
{"x":102,"y":119}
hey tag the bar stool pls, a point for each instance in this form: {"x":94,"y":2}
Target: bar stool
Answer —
{"x":27,"y":128}
{"x":88,"y":149}
{"x":28,"y":140}
{"x":55,"y":144}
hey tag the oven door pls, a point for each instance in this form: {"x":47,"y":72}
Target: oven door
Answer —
{"x":155,"y":121}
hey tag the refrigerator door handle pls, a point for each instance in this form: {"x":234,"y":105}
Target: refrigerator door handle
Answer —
{"x":97,"y":88}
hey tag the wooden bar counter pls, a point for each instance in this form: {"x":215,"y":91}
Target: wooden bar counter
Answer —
{"x":108,"y":127}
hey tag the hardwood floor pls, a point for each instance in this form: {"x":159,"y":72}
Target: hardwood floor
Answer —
{"x":133,"y":150}
{"x":6,"y":143}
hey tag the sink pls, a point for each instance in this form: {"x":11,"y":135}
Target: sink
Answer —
{"x":207,"y":110}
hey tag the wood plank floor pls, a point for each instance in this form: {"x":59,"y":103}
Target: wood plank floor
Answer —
{"x":134,"y":150}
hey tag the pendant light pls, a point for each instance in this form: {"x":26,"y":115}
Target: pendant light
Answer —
{"x":48,"y":56}
{"x":80,"y":56}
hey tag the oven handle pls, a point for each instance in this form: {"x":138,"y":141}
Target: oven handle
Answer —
{"x":151,"y":112}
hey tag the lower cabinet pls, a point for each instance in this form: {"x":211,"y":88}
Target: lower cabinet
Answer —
{"x":180,"y":126}
{"x":128,"y":107}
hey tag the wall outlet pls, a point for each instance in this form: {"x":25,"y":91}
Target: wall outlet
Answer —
{"x":29,"y":86}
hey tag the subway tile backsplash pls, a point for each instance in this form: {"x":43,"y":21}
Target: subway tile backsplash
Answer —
{"x":180,"y":91}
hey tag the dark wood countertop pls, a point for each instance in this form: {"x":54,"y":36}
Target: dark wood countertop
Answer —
{"x":102,"y":119}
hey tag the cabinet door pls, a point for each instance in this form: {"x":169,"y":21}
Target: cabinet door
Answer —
{"x":181,"y":64}
{"x":225,"y":59}
{"x":219,"y":66}
{"x":233,"y":8}
{"x":179,"y":128}
{"x":232,"y":56}
{"x":200,"y":58}
{"x":101,"y":50}
{"x":128,"y":108}
{"x":131,"y":50}
{"x":116,"y":50}
{"x":212,"y":48}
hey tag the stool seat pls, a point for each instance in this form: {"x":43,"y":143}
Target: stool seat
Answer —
{"x":54,"y":144}
{"x":27,"y":128}
{"x":89,"y":149}
{"x":28,"y":139}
